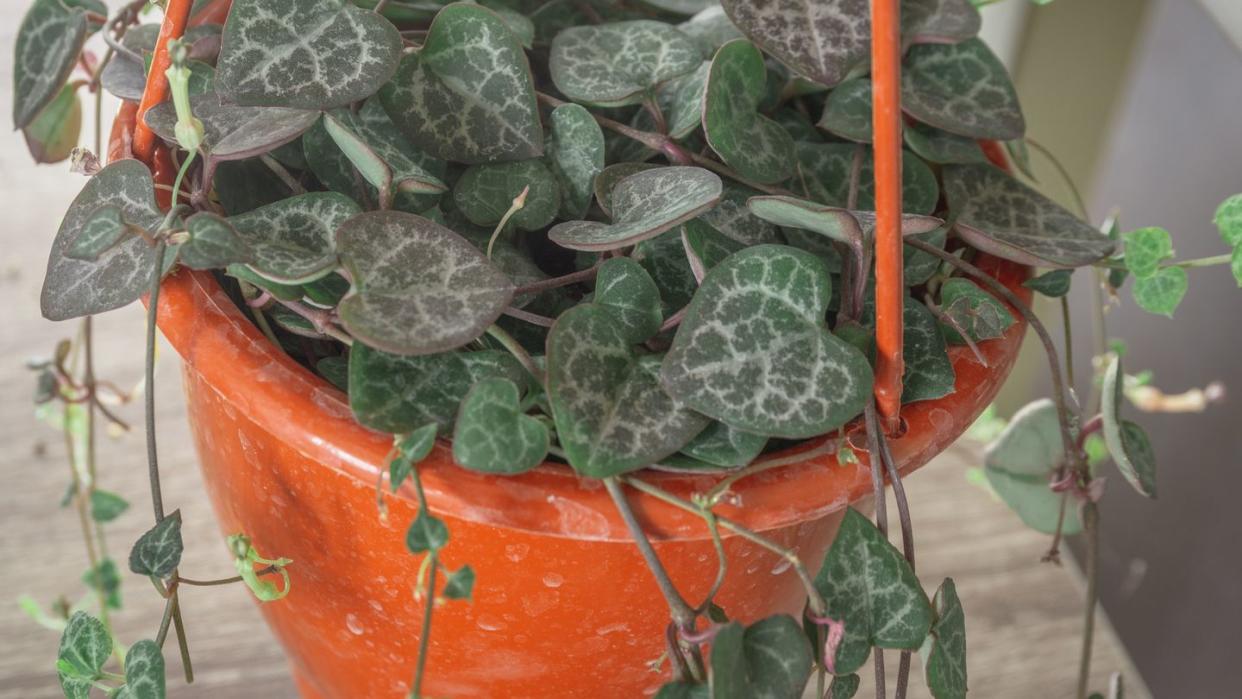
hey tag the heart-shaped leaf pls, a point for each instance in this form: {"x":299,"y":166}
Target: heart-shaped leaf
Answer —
{"x":213,"y":243}
{"x":157,"y":553}
{"x":824,"y":171}
{"x":843,"y":687}
{"x":869,"y":586}
{"x":459,"y":584}
{"x":426,"y":533}
{"x":419,"y":288}
{"x":680,"y":101}
{"x":721,"y":445}
{"x":1145,"y":249}
{"x":232,"y":132}
{"x":399,"y":394}
{"x":85,"y":645}
{"x":1162,"y":292}
{"x":74,"y":288}
{"x":53,"y":133}
{"x":938,"y":21}
{"x":106,"y":506}
{"x":484,"y":193}
{"x":837,"y":224}
{"x":974,"y":310}
{"x":821,"y":40}
{"x":144,"y":672}
{"x":608,"y":179}
{"x":1021,"y":462}
{"x":929,"y":373}
{"x":644,"y":205}
{"x":944,"y":651}
{"x":710,"y":29}
{"x":705,"y":247}
{"x":411,"y":450}
{"x":754,"y":145}
{"x":102,"y":231}
{"x":664,"y":259}
{"x":305,"y":54}
{"x":1053,"y":284}
{"x":375,"y":168}
{"x":936,"y":146}
{"x":961,"y":88}
{"x":753,"y":350}
{"x":611,"y":413}
{"x":49,"y":40}
{"x":1001,"y":216}
{"x":105,"y":579}
{"x":770,"y":659}
{"x":617,"y":64}
{"x":442,"y":103}
{"x":625,"y":290}
{"x":732,"y":217}
{"x":291,"y":241}
{"x":1127,"y":442}
{"x":493,"y":435}
{"x":847,"y":111}
{"x":576,"y":154}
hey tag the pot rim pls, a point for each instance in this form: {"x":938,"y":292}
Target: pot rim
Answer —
{"x":228,"y":352}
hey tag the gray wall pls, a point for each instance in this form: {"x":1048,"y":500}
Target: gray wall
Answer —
{"x":1171,"y":576}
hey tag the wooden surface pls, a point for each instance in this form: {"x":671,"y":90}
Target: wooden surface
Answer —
{"x":1023,"y":617}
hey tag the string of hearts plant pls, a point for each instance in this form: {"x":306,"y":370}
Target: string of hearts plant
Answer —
{"x":617,"y":235}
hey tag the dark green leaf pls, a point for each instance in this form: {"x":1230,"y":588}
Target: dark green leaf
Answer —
{"x":103,"y":230}
{"x":733,"y":218}
{"x":460,"y":584}
{"x":769,"y":659}
{"x":493,"y":435}
{"x":936,"y":146}
{"x":684,"y":690}
{"x":843,"y":687}
{"x":144,"y":672}
{"x":974,"y":310}
{"x":232,"y":132}
{"x":426,"y":533}
{"x":754,"y":145}
{"x":608,"y":179}
{"x":847,"y":112}
{"x":49,"y":40}
{"x":73,"y":288}
{"x":1053,"y":284}
{"x":612,"y":415}
{"x":105,"y":579}
{"x":484,"y":193}
{"x":158,"y":552}
{"x":1145,"y":249}
{"x":869,"y":586}
{"x":410,"y":452}
{"x":1021,"y":462}
{"x":292,"y":241}
{"x":929,"y":373}
{"x":944,"y":651}
{"x":440,"y":101}
{"x":213,"y":243}
{"x":618,"y":63}
{"x":106,"y":506}
{"x":721,"y":445}
{"x":710,"y":29}
{"x":1127,"y":442}
{"x":626,"y":291}
{"x":754,"y":352}
{"x":419,"y":288}
{"x":53,"y":133}
{"x":824,"y":170}
{"x":305,"y":54}
{"x":644,"y":205}
{"x":576,"y":155}
{"x":1001,"y":216}
{"x":85,"y":646}
{"x":963,"y":89}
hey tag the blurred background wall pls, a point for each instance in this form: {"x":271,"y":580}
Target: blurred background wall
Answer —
{"x":1142,"y":102}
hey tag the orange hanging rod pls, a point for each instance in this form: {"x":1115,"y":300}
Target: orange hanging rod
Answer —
{"x":176,"y":16}
{"x":889,"y":284}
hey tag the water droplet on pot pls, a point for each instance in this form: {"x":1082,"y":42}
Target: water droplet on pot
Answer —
{"x":553,"y":580}
{"x":781,"y":566}
{"x":355,"y":627}
{"x":516,"y":552}
{"x":375,"y":604}
{"x":489,"y":623}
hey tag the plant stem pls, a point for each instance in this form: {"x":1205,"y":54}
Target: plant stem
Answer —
{"x":153,"y":466}
{"x":517,"y":350}
{"x":680,"y":610}
{"x":557,"y":282}
{"x":425,"y":637}
{"x":223,"y":581}
{"x":1069,"y":341}
{"x":1091,"y":524}
{"x":818,"y":606}
{"x":1212,"y":261}
{"x":713,"y":496}
{"x":527,"y":316}
{"x":881,"y":514}
{"x":1054,"y":363}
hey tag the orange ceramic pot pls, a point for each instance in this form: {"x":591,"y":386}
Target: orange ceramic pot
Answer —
{"x":564,"y":605}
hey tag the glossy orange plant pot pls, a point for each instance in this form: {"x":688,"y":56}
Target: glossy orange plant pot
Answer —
{"x":564,"y":605}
